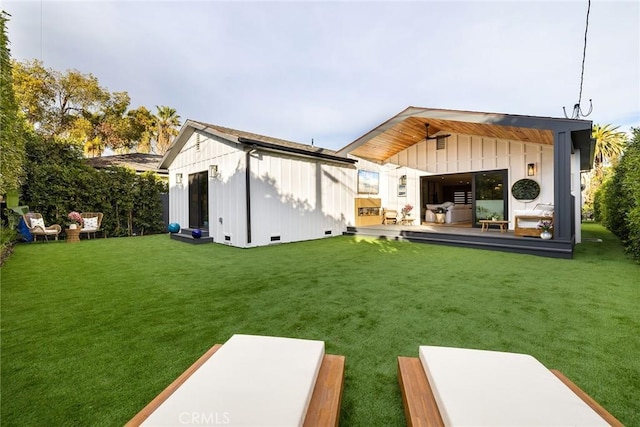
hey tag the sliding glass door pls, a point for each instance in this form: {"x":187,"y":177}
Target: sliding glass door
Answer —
{"x":490,"y":191}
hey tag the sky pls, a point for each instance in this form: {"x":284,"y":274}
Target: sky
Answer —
{"x":330,"y":71}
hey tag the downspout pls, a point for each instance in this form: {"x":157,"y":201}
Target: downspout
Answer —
{"x":247,"y":186}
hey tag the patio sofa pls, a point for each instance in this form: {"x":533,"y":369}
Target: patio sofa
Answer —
{"x":526,"y":221}
{"x":454,"y":213}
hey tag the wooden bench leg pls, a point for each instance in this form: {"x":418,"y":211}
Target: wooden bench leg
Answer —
{"x":420,"y":407}
{"x":324,"y":407}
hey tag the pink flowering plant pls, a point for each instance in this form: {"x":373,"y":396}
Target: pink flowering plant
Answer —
{"x":406,"y":210}
{"x":75,"y":218}
{"x":545,"y":226}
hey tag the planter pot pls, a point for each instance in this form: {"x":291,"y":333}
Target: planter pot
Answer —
{"x":73,"y":226}
{"x":545,"y":235}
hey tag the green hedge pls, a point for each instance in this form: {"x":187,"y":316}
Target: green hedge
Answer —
{"x":58,"y":181}
{"x":617,"y":201}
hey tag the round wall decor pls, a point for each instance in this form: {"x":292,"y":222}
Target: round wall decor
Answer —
{"x":525,"y":189}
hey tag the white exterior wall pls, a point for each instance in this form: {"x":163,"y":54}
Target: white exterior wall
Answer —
{"x":227,"y":210}
{"x":299,"y":198}
{"x":291,"y":197}
{"x":466,"y":153}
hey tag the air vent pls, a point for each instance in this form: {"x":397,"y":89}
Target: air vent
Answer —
{"x":275,"y":238}
{"x":327,"y":232}
{"x":227,"y":238}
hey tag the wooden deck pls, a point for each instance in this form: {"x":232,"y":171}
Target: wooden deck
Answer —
{"x":324,"y":407}
{"x":421,"y":409}
{"x":463,"y":235}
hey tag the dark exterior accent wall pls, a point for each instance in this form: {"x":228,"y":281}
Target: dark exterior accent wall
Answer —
{"x":562,"y":187}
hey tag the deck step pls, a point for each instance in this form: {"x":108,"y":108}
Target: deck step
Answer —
{"x":185,"y":236}
{"x":492,"y":241}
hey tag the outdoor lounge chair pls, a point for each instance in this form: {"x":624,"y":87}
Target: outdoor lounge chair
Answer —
{"x":390,"y":217}
{"x":91,"y":222}
{"x":36,"y":226}
{"x":454,"y":387}
{"x":253,"y":380}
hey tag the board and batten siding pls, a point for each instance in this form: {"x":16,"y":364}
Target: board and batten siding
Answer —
{"x":469,"y":153}
{"x":227,"y":209}
{"x":294,"y":198}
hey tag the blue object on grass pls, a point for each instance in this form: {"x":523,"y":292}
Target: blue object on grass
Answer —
{"x":197,"y":233}
{"x":174,"y":227}
{"x":24,"y":231}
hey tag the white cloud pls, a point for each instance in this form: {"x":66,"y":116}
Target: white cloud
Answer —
{"x":333,"y":70}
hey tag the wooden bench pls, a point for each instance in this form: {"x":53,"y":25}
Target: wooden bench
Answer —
{"x":421,"y":408}
{"x":323,"y":408}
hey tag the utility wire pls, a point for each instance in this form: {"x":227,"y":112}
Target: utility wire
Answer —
{"x":577,"y":110}
{"x":584,"y":51}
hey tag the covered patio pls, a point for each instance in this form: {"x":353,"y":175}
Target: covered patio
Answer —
{"x":434,"y":156}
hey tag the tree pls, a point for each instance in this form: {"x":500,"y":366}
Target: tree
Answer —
{"x":168,"y":123}
{"x":12,"y":131}
{"x":610,"y":143}
{"x":51,"y":100}
{"x":144,"y":124}
{"x":72,"y":106}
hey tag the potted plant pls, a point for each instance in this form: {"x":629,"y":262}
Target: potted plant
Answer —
{"x":406,"y":210}
{"x":546,"y":227}
{"x":76,"y":220}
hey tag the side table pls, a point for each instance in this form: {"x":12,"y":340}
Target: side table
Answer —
{"x":73,"y":236}
{"x":485,"y":224}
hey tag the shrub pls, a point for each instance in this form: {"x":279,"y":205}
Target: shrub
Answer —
{"x":58,"y":182}
{"x":617,"y":202}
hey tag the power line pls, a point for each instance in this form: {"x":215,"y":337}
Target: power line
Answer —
{"x":577,"y":110}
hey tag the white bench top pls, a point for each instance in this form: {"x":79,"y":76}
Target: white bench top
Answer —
{"x":490,"y":388}
{"x":250,"y":381}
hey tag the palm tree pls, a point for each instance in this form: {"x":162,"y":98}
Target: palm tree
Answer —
{"x":610,"y":143}
{"x":167,"y":122}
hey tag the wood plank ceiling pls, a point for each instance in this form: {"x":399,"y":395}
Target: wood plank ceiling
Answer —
{"x":412,"y":131}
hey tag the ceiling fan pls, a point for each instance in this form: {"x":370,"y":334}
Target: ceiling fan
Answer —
{"x":437,"y":137}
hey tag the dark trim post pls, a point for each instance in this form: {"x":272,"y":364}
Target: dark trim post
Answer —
{"x":247,"y":185}
{"x":562,"y":186}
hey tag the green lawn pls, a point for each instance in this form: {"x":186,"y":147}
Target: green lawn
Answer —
{"x":91,"y":332}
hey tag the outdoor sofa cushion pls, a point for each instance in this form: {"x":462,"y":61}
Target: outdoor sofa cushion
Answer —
{"x":90,"y":223}
{"x":250,"y":381}
{"x":491,"y":388}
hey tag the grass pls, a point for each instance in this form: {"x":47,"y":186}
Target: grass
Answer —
{"x":91,"y":332}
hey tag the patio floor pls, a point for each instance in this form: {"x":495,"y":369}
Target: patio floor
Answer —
{"x":463,"y":235}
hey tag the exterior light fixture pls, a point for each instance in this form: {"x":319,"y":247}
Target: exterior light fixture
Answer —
{"x":403,"y":179}
{"x":179,"y":178}
{"x":531,"y":169}
{"x":213,"y":171}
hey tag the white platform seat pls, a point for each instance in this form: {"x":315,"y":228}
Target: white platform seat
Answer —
{"x":489,"y":388}
{"x":249,"y":381}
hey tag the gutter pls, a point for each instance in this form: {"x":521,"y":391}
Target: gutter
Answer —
{"x":275,"y":147}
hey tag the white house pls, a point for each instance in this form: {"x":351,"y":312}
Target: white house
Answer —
{"x":251,"y":190}
{"x":247,"y":190}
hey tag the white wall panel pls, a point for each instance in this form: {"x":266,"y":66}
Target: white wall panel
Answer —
{"x":470,"y":153}
{"x":299,"y":199}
